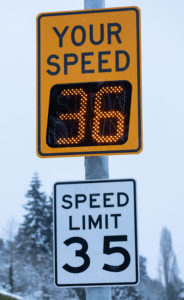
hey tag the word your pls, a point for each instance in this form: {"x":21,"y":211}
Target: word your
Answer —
{"x":78,"y":36}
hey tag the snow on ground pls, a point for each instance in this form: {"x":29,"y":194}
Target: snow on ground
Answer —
{"x":5,"y":293}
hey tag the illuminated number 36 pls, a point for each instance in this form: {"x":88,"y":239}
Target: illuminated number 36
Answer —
{"x":99,"y":115}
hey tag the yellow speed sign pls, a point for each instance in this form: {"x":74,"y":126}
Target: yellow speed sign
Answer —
{"x":89,"y":83}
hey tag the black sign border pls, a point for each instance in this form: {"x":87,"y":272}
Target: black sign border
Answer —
{"x":78,"y":153}
{"x":135,"y":230}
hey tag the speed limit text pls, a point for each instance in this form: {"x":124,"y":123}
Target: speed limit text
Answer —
{"x":94,"y":201}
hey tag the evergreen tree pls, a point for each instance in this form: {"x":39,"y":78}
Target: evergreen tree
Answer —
{"x":133,"y":292}
{"x":143,"y":269}
{"x":80,"y":292}
{"x":34,"y":273}
{"x":26,"y":261}
{"x":11,"y":266}
{"x":128,"y":293}
{"x":10,"y":254}
{"x":1,"y":244}
{"x":3,"y":265}
{"x":34,"y":238}
{"x":144,"y":279}
{"x":147,"y":288}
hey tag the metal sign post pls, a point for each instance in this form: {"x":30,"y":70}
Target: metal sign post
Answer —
{"x":96,"y":168}
{"x":82,"y":113}
{"x":90,"y":4}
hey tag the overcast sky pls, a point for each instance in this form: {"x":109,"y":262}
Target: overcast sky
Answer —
{"x":158,"y":170}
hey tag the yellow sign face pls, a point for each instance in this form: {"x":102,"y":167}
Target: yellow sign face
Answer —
{"x":89,"y":83}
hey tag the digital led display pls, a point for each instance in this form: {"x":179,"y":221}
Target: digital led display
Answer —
{"x":89,"y":114}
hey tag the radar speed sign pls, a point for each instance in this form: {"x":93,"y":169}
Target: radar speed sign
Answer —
{"x":89,"y":97}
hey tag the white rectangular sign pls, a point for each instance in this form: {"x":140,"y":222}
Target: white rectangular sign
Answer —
{"x":95,"y":233}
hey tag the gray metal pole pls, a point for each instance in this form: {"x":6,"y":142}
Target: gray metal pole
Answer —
{"x":96,"y":167}
{"x":90,"y":4}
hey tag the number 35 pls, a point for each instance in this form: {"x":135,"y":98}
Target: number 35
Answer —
{"x":107,"y":249}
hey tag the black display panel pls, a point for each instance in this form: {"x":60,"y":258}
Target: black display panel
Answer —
{"x":89,"y":114}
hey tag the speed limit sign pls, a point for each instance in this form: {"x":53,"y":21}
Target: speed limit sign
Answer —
{"x":95,"y":233}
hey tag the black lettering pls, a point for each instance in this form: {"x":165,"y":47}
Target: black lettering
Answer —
{"x":106,"y":222}
{"x":83,"y":222}
{"x":91,"y":200}
{"x":118,"y":68}
{"x":91,"y":34}
{"x":114,"y":32}
{"x":103,"y":61}
{"x":81,"y":253}
{"x":107,"y":199}
{"x":69,"y":63}
{"x":108,"y":249}
{"x":115,"y":219}
{"x":81,"y":28}
{"x":79,"y":198}
{"x":125,"y":199}
{"x":95,"y":223}
{"x":51,"y":63}
{"x":86,"y":62}
{"x":60,"y":35}
{"x":67,"y":201}
{"x":70,"y":225}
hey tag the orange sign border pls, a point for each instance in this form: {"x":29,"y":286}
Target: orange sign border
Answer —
{"x":99,"y":150}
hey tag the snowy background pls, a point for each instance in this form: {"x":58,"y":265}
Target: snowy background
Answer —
{"x":158,"y":170}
